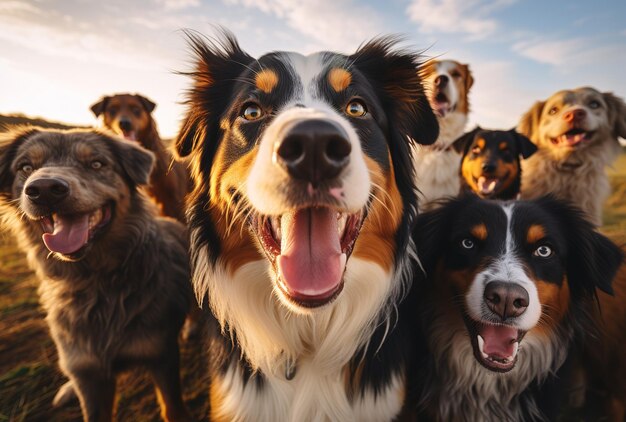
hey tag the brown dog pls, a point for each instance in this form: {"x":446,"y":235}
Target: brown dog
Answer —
{"x":577,"y":134}
{"x":114,"y":276}
{"x":129,"y":116}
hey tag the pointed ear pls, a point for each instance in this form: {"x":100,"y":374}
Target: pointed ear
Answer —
{"x":402,"y":94}
{"x":9,"y":143}
{"x":524,"y":145}
{"x":529,"y":123}
{"x":462,"y":144}
{"x":136,"y":161}
{"x":218,"y":64}
{"x":593,"y":260}
{"x":148,"y":104}
{"x":617,"y":114}
{"x":99,"y":107}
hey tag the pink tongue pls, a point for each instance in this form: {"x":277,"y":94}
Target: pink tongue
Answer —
{"x":70,"y":234}
{"x":311,"y":262}
{"x":499,"y":340}
{"x":442,"y":108}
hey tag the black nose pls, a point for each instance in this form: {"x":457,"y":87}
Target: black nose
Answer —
{"x":508,"y":300}
{"x":126,"y":125}
{"x":489,"y":167}
{"x":314,"y":150}
{"x":47,"y":191}
{"x":441,"y":81}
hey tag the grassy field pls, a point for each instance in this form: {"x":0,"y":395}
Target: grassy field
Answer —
{"x":29,"y":376}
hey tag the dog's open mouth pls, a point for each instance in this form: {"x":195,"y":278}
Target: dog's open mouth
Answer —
{"x":495,"y":347}
{"x":129,"y":135}
{"x":572,"y":138}
{"x":488,"y":186}
{"x":69,"y":234}
{"x":309,"y":249}
{"x":441,"y":104}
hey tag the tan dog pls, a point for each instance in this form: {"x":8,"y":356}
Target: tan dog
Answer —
{"x":577,"y":134}
{"x":447,"y":84}
{"x":129,"y":116}
{"x":114,"y":276}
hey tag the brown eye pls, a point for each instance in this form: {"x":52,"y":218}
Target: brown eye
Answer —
{"x":96,"y":165}
{"x":136,"y":111}
{"x":26,"y":168}
{"x":468,"y":244}
{"x":112,"y":111}
{"x":455,"y":75}
{"x":252,"y":112}
{"x":356,"y":108}
{"x":553,"y":110}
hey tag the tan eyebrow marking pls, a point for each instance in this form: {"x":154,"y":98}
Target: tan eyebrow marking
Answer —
{"x":479,"y":231}
{"x":339,"y":79}
{"x":266,"y":80}
{"x":535,"y":233}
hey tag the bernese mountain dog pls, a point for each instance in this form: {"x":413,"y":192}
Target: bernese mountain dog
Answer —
{"x":511,"y":289}
{"x":300,"y":226}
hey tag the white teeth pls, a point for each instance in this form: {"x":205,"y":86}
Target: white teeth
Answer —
{"x":342,"y":219}
{"x":95,"y":218}
{"x":515,"y":349}
{"x":481,"y":345}
{"x":54,"y":218}
{"x":275,"y":223}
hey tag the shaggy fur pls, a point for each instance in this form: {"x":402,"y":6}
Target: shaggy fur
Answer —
{"x":284,"y":349}
{"x":129,"y":115}
{"x":544,"y":248}
{"x":120,"y":300}
{"x":447,"y":84}
{"x":577,"y":134}
{"x":491,"y":162}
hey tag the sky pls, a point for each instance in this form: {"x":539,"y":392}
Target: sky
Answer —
{"x":57,"y":57}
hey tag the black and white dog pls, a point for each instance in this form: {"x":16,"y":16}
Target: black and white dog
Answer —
{"x":300,"y":226}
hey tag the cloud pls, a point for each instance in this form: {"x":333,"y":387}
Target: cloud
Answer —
{"x":178,"y":4}
{"x":331,"y":24}
{"x":472,"y":17}
{"x":565,"y":53}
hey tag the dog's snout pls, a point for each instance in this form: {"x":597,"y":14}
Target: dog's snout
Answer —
{"x":47,"y":191}
{"x":314,"y":150}
{"x":126,"y":125}
{"x":489,"y":167}
{"x":507,"y":300}
{"x":575,"y":115}
{"x":441,"y":81}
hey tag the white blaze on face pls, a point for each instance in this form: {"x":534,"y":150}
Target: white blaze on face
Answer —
{"x":444,"y":68}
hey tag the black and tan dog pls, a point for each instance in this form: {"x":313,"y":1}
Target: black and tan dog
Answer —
{"x":490,"y":166}
{"x":114,"y":276}
{"x":512,"y":288}
{"x":129,"y":116}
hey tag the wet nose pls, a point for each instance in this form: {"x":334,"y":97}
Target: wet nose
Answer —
{"x":575,"y":115}
{"x":47,"y":191}
{"x":126,"y":125}
{"x":441,"y":81}
{"x":314,"y":150}
{"x":488,"y":167}
{"x":507,"y":300}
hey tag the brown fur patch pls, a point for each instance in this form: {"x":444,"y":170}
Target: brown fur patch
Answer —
{"x":339,"y":79}
{"x":216,"y":398}
{"x":555,"y":302}
{"x":376,"y":242}
{"x":535,"y":233}
{"x":266,"y":80}
{"x":479,"y":231}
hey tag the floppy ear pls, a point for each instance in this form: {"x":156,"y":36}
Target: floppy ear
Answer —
{"x":462,"y":144}
{"x":9,"y":143}
{"x":136,"y":161}
{"x":218,"y":64}
{"x":524,"y":145}
{"x":529,"y":122}
{"x":469,"y":79}
{"x":147,"y":104}
{"x":99,"y":107}
{"x":593,"y":260}
{"x":617,"y":114}
{"x":402,"y":94}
